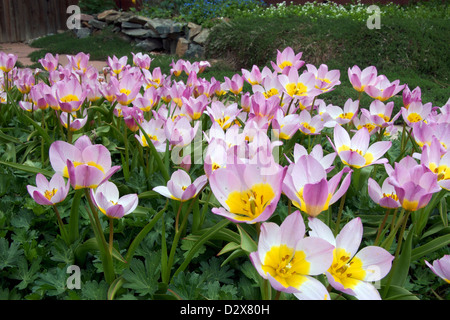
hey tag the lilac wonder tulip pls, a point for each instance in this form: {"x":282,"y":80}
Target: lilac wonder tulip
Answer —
{"x":441,"y":267}
{"x":180,"y":187}
{"x":49,"y":192}
{"x":87,"y":165}
{"x":106,"y":199}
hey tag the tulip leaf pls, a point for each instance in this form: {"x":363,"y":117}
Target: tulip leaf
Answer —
{"x":399,"y":293}
{"x":247,"y":243}
{"x":402,"y":263}
{"x":114,"y":287}
{"x":430,"y":247}
{"x":27,"y":168}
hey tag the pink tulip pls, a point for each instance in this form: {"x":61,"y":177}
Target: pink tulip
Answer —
{"x":127,"y":88}
{"x":106,"y":198}
{"x":154,"y":128}
{"x":288,"y":259}
{"x":7,"y":61}
{"x":287,"y":58}
{"x":414,"y":183}
{"x":87,"y":165}
{"x":180,"y":186}
{"x":441,"y":267}
{"x":235,"y":84}
{"x":50,"y":62}
{"x":325,"y":80}
{"x":142,"y":61}
{"x":79,"y":62}
{"x":306,"y":185}
{"x":75,"y":122}
{"x":383,"y":89}
{"x":411,"y":96}
{"x":49,"y":192}
{"x":69,"y":94}
{"x":179,"y":132}
{"x":360,"y":79}
{"x":352,"y":270}
{"x":385,"y":196}
{"x":356,"y":152}
{"x":416,"y":112}
{"x":247,"y":192}
{"x":117,"y":65}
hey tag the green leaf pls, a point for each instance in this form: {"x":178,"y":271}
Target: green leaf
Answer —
{"x":399,"y":293}
{"x":93,"y":290}
{"x":247,"y":243}
{"x":143,"y":276}
{"x":430,"y":247}
{"x":9,"y":254}
{"x":23,"y":167}
{"x":401,"y":265}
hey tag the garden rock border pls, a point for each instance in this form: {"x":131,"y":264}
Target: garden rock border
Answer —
{"x":186,"y":40}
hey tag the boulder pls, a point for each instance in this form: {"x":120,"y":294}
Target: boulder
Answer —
{"x":182,"y":47}
{"x":194,"y":29}
{"x":102,"y":16}
{"x":130,"y":25}
{"x":195,"y":51}
{"x":140,"y":33}
{"x":202,"y":36}
{"x":82,"y":32}
{"x":149,"y":45}
{"x":164,"y":27}
{"x":98,"y":24}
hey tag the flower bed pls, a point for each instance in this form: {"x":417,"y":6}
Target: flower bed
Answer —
{"x":157,"y":187}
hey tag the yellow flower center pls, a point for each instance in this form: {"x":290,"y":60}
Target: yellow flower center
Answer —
{"x":249,"y":204}
{"x":70,"y":98}
{"x":270,"y":93}
{"x":345,"y":271}
{"x":414,"y":117}
{"x":296,"y":89}
{"x":307,"y":128}
{"x":286,"y":265}
{"x":346,"y":115}
{"x":285,"y":64}
{"x":50,"y":193}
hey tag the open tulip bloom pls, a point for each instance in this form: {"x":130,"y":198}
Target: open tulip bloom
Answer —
{"x":49,"y":192}
{"x":248,"y":192}
{"x":86,"y":164}
{"x":289,"y":260}
{"x":180,"y":187}
{"x":352,"y":271}
{"x":106,"y":198}
{"x":441,"y":267}
{"x":356,"y":152}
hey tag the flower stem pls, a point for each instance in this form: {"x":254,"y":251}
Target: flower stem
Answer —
{"x":380,"y":229}
{"x":111,"y":234}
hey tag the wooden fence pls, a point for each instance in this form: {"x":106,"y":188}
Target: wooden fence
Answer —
{"x":22,"y":20}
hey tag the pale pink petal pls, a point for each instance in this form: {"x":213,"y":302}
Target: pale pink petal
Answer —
{"x":349,"y":238}
{"x":319,"y":254}
{"x":377,"y":262}
{"x":312,"y":289}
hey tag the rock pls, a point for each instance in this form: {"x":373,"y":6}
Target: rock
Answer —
{"x":140,"y":33}
{"x":164,"y":27}
{"x":139,"y":19}
{"x":202,"y":36}
{"x":125,"y":16}
{"x":150,"y":44}
{"x":82,"y":32}
{"x":102,"y":16}
{"x":182,"y":47}
{"x":86,"y":17}
{"x":98,"y":24}
{"x":130,"y":25}
{"x":194,"y":29}
{"x":195,"y":51}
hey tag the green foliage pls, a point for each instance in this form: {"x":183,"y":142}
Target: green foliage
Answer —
{"x":96,"y":6}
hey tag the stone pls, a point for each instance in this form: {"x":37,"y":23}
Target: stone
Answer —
{"x":102,"y":16}
{"x":164,"y":27}
{"x":149,"y":45}
{"x":195,"y":51}
{"x":130,"y":25}
{"x":194,"y":29}
{"x":182,"y":47}
{"x":86,"y":17}
{"x":82,"y":32}
{"x":98,"y":24}
{"x":139,"y":19}
{"x":202,"y":36}
{"x":125,"y":16}
{"x":140,"y":33}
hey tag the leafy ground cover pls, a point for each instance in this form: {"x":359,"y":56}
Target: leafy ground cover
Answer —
{"x":202,"y":206}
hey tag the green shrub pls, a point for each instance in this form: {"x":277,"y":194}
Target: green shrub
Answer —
{"x":95,"y":6}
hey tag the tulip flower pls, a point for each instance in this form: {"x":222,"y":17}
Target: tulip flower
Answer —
{"x":142,"y":61}
{"x":127,"y":88}
{"x":223,"y":114}
{"x":180,"y":186}
{"x":356,"y":152}
{"x":49,"y":192}
{"x":310,"y":125}
{"x":50,"y":62}
{"x":87,"y":165}
{"x":154,"y":128}
{"x":316,"y":152}
{"x":179,"y":132}
{"x":287,"y":58}
{"x":130,"y":114}
{"x":351,"y":270}
{"x":438,"y":161}
{"x":325,"y":80}
{"x":248,"y":192}
{"x":441,"y":267}
{"x":235,"y":84}
{"x":416,"y":112}
{"x":284,"y":127}
{"x":69,"y":94}
{"x":383,"y":89}
{"x":79,"y":62}
{"x":289,"y":260}
{"x":380,"y":114}
{"x":360,"y":79}
{"x":75,"y":122}
{"x":423,"y":133}
{"x":306,"y":185}
{"x":7,"y":61}
{"x":414,"y":183}
{"x":194,"y":107}
{"x":117,"y":65}
{"x":296,"y":85}
{"x":385,"y":196}
{"x":341,"y":116}
{"x":411,"y":96}
{"x":24,"y":80}
{"x":106,"y":198}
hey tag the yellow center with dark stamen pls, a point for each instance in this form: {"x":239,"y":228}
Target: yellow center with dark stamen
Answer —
{"x":346,"y":271}
{"x":346,"y":115}
{"x":367,"y":156}
{"x":307,"y":128}
{"x":76,"y":164}
{"x":222,"y":121}
{"x":249,"y":204}
{"x":285,"y":64}
{"x":287,"y":266}
{"x":296,"y":89}
{"x":392,"y":196}
{"x":270,"y":93}
{"x":50,"y":193}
